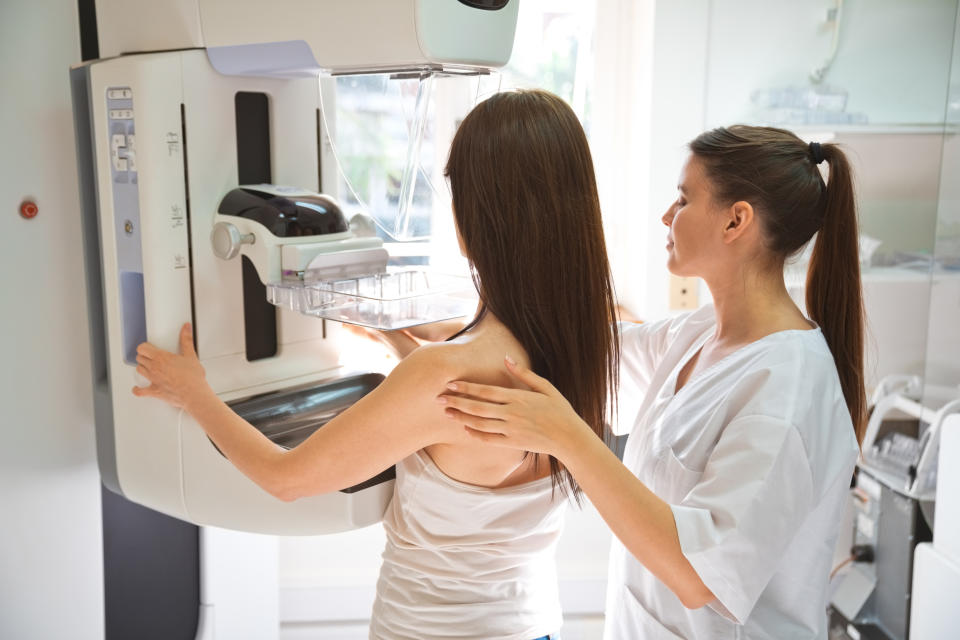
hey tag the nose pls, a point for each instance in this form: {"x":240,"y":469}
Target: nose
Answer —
{"x":667,"y":217}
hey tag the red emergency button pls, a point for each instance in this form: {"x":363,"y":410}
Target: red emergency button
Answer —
{"x":29,"y":209}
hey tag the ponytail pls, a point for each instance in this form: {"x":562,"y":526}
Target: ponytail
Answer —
{"x":834,"y":296}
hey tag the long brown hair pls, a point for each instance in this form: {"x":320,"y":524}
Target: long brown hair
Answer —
{"x":776,"y":172}
{"x":526,"y":206}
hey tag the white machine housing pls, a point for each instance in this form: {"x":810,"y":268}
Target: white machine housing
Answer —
{"x":936,"y":568}
{"x":285,"y":37}
{"x":160,"y":132}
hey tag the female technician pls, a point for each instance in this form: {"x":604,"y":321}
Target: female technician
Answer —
{"x":745,"y":414}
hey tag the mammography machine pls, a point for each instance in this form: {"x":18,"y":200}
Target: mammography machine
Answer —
{"x":204,"y":155}
{"x":194,"y":111}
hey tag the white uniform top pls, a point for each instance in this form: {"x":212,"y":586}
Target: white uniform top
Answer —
{"x":755,"y":456}
{"x":463,"y":561}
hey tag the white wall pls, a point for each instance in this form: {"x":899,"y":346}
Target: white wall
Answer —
{"x":681,"y":64}
{"x":51,"y":583}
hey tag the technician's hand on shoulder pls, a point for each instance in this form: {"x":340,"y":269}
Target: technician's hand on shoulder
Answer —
{"x":176,"y":379}
{"x":540,"y":420}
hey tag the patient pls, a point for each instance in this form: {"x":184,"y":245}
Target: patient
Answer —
{"x":472,"y":527}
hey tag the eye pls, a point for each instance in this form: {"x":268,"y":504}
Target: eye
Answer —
{"x":681,"y":202}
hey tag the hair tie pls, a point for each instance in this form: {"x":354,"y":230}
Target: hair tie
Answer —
{"x":816,"y":152}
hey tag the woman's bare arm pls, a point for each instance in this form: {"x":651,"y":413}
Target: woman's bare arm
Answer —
{"x":394,"y":420}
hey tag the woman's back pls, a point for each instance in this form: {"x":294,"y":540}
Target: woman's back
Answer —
{"x":463,"y":561}
{"x":477,"y":355}
{"x":472,"y":528}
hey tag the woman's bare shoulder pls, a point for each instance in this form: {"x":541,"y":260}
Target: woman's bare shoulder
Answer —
{"x":475,"y":360}
{"x":479,"y":359}
{"x":440,"y":360}
{"x":433,"y":360}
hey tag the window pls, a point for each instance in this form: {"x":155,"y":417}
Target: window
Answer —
{"x":393,"y":134}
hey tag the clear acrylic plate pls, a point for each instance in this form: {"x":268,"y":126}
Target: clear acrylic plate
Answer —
{"x":395,"y":299}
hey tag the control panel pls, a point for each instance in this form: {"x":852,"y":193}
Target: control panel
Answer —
{"x":126,"y":208}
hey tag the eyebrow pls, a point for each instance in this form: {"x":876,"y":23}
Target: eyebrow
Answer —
{"x":680,"y":188}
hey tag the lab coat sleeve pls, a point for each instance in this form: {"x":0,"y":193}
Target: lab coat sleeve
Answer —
{"x":739,"y":519}
{"x":641,"y":348}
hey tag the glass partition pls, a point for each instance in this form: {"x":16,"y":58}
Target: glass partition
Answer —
{"x":942,"y":367}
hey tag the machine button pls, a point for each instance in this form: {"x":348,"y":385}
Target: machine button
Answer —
{"x":119,"y":164}
{"x":117,"y":141}
{"x":131,"y":161}
{"x":130,"y":143}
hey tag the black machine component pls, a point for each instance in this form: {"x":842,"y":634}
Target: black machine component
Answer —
{"x":487,"y":5}
{"x":253,"y":137}
{"x":259,"y":316}
{"x":253,"y":166}
{"x":284,"y":217}
{"x":151,"y":573}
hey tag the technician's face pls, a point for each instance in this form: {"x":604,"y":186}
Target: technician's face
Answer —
{"x":693,"y":241}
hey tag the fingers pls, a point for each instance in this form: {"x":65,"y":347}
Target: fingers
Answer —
{"x":528,"y":377}
{"x":186,"y":340}
{"x":487,"y":425}
{"x":145,"y":392}
{"x":147,"y":350}
{"x":473,"y":407}
{"x":497,"y":439}
{"x":486,"y":392}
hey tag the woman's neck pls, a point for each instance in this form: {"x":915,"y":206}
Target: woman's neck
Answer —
{"x":751,"y":304}
{"x":485,"y":323}
{"x":490,"y":323}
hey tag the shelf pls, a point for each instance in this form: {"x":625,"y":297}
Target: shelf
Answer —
{"x":950,"y":128}
{"x":396,"y":299}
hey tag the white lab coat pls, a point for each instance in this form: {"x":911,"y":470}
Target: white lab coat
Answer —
{"x":755,"y":456}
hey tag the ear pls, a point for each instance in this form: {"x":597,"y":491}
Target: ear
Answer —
{"x":739,"y":218}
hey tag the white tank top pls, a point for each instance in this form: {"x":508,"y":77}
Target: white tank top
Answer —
{"x":463,"y":561}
